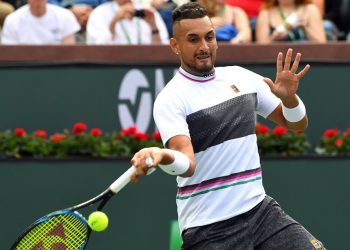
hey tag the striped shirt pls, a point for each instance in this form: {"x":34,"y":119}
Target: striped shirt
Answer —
{"x":218,"y":113}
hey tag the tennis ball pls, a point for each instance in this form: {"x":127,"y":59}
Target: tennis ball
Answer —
{"x":98,"y":221}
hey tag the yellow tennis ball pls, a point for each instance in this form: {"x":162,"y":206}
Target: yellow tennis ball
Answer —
{"x":98,"y":221}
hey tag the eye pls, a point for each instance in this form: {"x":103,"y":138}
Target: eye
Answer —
{"x":192,"y":39}
{"x":210,"y":37}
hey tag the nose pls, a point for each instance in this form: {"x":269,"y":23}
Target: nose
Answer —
{"x":203,"y":46}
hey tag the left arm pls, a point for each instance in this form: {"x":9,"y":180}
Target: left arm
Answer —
{"x":291,"y":112}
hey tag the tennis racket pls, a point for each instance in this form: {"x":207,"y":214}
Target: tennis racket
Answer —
{"x":67,"y":229}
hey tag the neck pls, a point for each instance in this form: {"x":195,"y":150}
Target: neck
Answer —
{"x":38,"y":12}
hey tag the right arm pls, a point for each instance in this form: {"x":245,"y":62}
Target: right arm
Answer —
{"x":125,"y":11}
{"x":262,"y":28}
{"x":241,"y":21}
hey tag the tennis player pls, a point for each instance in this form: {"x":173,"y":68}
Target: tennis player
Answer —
{"x":206,"y":117}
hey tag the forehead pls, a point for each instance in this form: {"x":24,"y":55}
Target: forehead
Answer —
{"x":198,"y":26}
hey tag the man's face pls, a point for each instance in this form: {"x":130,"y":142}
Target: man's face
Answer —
{"x":37,"y":7}
{"x":195,"y":43}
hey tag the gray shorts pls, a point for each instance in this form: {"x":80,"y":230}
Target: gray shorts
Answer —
{"x":265,"y":227}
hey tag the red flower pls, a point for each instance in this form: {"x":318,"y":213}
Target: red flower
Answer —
{"x":20,"y":132}
{"x":156,"y":136}
{"x":96,"y":132}
{"x":347,"y":132}
{"x":141,"y":136}
{"x":79,"y":128}
{"x":40,"y":133}
{"x":338,"y":143}
{"x":57,"y":137}
{"x":261,"y":129}
{"x":331,"y":132}
{"x":129,"y":131}
{"x":279,"y":131}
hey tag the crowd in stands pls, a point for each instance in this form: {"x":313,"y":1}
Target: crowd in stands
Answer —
{"x":149,"y":21}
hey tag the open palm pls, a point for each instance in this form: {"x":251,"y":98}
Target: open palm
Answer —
{"x":287,"y":79}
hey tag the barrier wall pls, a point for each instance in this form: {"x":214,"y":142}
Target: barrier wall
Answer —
{"x":114,"y":86}
{"x":313,"y":191}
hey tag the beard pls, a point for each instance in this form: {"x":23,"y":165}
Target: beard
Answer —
{"x":200,"y":68}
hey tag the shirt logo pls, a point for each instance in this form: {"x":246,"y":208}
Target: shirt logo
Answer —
{"x":316,"y":244}
{"x":234,"y":88}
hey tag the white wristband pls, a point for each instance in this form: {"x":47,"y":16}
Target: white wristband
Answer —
{"x":294,"y":114}
{"x":180,"y":164}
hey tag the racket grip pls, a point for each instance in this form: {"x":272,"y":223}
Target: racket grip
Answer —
{"x":125,"y":178}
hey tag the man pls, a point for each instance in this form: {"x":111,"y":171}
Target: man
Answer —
{"x":122,"y":22}
{"x":40,"y":23}
{"x":206,"y":118}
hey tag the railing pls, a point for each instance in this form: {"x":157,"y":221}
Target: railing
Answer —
{"x":338,"y":52}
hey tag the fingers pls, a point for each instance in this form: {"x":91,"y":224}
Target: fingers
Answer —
{"x":296,"y":63}
{"x":304,"y":71}
{"x":288,"y":59}
{"x":279,"y":62}
{"x":142,"y":165}
{"x":146,"y":160}
{"x":134,"y":178}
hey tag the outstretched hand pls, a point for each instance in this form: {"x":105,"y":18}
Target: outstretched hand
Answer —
{"x":287,"y":78}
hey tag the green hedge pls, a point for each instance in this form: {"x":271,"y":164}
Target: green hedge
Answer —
{"x":83,"y":141}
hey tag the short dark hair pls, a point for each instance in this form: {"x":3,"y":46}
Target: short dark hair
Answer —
{"x":190,"y":10}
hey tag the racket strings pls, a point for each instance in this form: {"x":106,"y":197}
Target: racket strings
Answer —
{"x":60,"y":232}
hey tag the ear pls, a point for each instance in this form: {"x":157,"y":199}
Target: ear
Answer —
{"x":174,"y":46}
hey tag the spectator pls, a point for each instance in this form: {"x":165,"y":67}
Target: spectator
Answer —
{"x":81,"y":10}
{"x":123,"y":22}
{"x":231,"y":23}
{"x":40,"y":23}
{"x":290,"y":20}
{"x":5,"y":9}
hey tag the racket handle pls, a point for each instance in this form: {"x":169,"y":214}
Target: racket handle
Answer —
{"x":125,"y":178}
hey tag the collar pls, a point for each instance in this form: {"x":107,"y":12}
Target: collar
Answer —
{"x":204,"y":78}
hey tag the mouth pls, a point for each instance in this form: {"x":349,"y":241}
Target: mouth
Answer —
{"x":202,"y":57}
